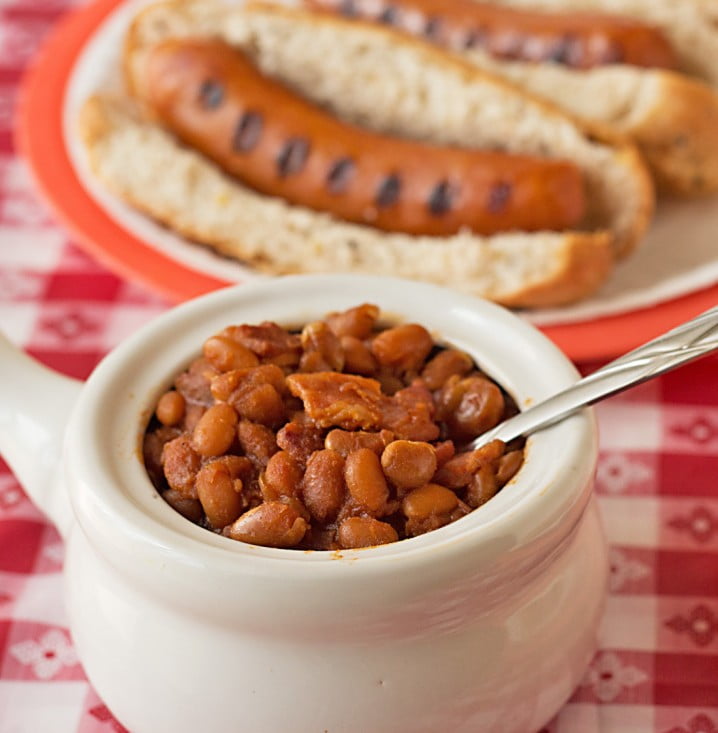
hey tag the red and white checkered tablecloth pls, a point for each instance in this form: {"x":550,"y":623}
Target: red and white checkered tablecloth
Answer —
{"x":657,"y":483}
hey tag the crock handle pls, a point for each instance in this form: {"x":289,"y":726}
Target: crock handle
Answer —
{"x":35,"y":404}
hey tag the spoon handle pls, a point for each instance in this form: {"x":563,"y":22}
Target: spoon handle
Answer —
{"x":687,"y":342}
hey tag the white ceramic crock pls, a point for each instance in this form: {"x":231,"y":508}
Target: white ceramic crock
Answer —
{"x":482,"y":626}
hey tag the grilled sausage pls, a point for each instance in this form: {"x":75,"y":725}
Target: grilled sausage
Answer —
{"x":579,"y":40}
{"x":216,"y":100}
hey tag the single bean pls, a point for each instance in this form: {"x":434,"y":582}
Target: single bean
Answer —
{"x":446,"y":399}
{"x":323,"y":487}
{"x":263,"y":405}
{"x":170,"y":408}
{"x":219,"y":490}
{"x":365,"y":480}
{"x":180,"y":463}
{"x":358,"y":359}
{"x":272,"y":524}
{"x":282,"y":477}
{"x":358,"y":322}
{"x":356,"y":532}
{"x":508,"y":466}
{"x":428,"y":500}
{"x":225,"y":354}
{"x":215,"y":431}
{"x":409,"y":464}
{"x":402,"y":348}
{"x":444,"y":365}
{"x":480,"y":407}
{"x":482,"y":487}
{"x":224,"y":385}
{"x":346,"y":441}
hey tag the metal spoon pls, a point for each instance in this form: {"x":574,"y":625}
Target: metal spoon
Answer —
{"x":687,"y":342}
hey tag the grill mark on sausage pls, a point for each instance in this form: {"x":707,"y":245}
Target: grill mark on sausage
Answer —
{"x":563,"y":51}
{"x":432,"y":27}
{"x":211,"y":93}
{"x":475,"y":38}
{"x":247,"y":132}
{"x":389,"y":15}
{"x":388,"y":191}
{"x":513,"y":39}
{"x":340,"y":174}
{"x":441,"y":198}
{"x":568,"y":49}
{"x":292,"y":156}
{"x":572,"y":51}
{"x":538,"y":47}
{"x":499,"y":197}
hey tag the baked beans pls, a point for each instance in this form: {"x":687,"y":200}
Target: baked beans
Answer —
{"x":339,"y":435}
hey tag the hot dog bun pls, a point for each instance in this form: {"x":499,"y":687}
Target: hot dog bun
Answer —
{"x":385,"y":82}
{"x":672,"y":117}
